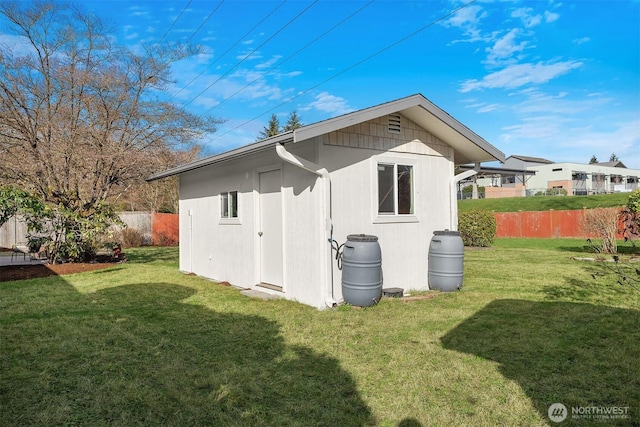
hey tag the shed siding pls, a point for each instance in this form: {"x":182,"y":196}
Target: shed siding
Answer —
{"x":215,"y":250}
{"x":354,"y":198}
{"x":374,"y":135}
{"x":231,"y":252}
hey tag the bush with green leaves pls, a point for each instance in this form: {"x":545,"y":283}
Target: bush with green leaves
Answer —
{"x":630,"y":217}
{"x":66,"y":233}
{"x":477,"y":228}
{"x":634,"y":201}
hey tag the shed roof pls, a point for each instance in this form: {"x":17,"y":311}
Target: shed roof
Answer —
{"x":467,"y":145}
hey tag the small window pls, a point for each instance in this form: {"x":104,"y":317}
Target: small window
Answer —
{"x":395,"y":189}
{"x":229,"y":204}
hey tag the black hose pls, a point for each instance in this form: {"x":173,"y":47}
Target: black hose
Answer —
{"x":335,"y":246}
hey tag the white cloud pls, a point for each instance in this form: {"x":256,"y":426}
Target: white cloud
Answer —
{"x":505,"y":47}
{"x":488,"y":108}
{"x":468,"y":19}
{"x":131,"y":36}
{"x":18,"y":45}
{"x":581,"y":40}
{"x":269,"y":62}
{"x":328,"y":103}
{"x":539,"y":102}
{"x":550,"y":17}
{"x":555,"y":138}
{"x":517,"y":75}
{"x":528,"y":19}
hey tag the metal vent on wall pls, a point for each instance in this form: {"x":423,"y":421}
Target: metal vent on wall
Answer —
{"x":394,"y":123}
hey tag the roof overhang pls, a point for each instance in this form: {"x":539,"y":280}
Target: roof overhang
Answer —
{"x":497,"y":171}
{"x":256,"y":147}
{"x":468,"y":147}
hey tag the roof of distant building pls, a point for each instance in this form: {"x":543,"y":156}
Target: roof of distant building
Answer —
{"x":531,"y":159}
{"x":616,"y":164}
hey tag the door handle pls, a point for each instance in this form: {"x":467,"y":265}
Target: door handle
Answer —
{"x":260,"y":233}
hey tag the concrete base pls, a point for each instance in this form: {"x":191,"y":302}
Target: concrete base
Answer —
{"x":257,"y":294}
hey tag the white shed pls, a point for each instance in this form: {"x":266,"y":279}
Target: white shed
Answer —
{"x":263,"y":216}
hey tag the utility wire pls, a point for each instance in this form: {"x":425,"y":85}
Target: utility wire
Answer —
{"x":174,"y":22}
{"x":205,"y":21}
{"x":252,"y":52}
{"x":232,"y":46}
{"x":291,"y":56}
{"x":392,"y":45}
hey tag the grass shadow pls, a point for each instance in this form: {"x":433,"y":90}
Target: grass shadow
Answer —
{"x":140,"y":355}
{"x":576,"y":354}
{"x":147,"y":254}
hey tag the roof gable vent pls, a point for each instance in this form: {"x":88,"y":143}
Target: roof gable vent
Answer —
{"x":394,"y":123}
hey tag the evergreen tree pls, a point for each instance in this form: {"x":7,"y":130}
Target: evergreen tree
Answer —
{"x":272,"y":129}
{"x":614,"y":158}
{"x":293,"y":122}
{"x":593,"y":160}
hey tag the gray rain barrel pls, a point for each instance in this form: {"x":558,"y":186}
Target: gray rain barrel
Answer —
{"x":361,"y":270}
{"x":446,"y":261}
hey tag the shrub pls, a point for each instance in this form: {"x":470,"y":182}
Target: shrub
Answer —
{"x":552,"y":192}
{"x":634,"y":201}
{"x":132,"y":238}
{"x":477,"y":228}
{"x":602,"y":223}
{"x":630,"y":217}
{"x":163,"y":239}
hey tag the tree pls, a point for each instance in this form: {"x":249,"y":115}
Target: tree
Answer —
{"x":272,"y":129}
{"x":593,"y":160}
{"x":14,"y":200}
{"x":614,"y":158}
{"x":293,"y":122}
{"x":82,"y":118}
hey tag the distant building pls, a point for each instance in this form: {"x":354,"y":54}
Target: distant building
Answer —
{"x":583,"y":179}
{"x":546,"y":177}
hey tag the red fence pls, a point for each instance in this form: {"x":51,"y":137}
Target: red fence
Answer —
{"x":542,"y":224}
{"x":165,"y":229}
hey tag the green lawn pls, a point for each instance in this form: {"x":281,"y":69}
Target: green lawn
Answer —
{"x":142,"y":344}
{"x":544,"y":203}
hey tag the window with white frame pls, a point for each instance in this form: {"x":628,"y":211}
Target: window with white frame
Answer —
{"x":229,"y":204}
{"x":395,"y":189}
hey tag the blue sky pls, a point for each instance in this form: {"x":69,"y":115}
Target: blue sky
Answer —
{"x":552,"y":79}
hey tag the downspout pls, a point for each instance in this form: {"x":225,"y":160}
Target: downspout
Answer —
{"x":326,"y":179}
{"x":454,"y":196}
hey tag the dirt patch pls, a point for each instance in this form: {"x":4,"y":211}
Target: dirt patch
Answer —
{"x":22,"y":272}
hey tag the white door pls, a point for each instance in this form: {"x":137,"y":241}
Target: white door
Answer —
{"x":270,"y":231}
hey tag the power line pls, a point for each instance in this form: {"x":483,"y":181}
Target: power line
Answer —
{"x":351,"y":67}
{"x":174,"y":22}
{"x":232,"y":46}
{"x":205,"y":21}
{"x":251,"y":53}
{"x":292,"y":55}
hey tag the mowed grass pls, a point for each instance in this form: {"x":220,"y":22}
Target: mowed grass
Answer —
{"x":143,"y":344}
{"x":544,"y":203}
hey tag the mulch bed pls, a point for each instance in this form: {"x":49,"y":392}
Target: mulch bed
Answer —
{"x":21,"y":272}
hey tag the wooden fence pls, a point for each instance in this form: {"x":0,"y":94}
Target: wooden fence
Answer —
{"x":542,"y":224}
{"x":156,"y":228}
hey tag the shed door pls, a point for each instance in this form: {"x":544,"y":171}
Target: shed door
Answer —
{"x":271,"y":257}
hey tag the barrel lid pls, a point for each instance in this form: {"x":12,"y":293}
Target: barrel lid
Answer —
{"x":446,"y":233}
{"x":362,"y":238}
